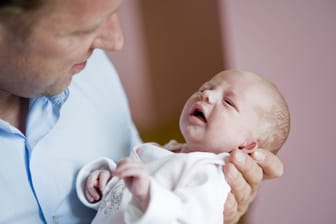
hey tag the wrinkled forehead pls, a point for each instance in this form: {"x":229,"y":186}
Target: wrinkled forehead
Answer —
{"x":79,"y":7}
{"x":66,"y":16}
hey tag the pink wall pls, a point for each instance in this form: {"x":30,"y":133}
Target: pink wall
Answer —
{"x":294,"y":44}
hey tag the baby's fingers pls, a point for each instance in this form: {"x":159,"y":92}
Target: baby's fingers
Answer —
{"x":128,"y":168}
{"x":95,"y":184}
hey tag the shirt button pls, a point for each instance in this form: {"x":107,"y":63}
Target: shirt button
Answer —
{"x":55,"y":220}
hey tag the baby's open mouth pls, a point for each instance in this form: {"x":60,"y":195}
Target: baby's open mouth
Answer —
{"x":197,"y":112}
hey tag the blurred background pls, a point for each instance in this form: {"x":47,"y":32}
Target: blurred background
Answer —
{"x":173,"y":46}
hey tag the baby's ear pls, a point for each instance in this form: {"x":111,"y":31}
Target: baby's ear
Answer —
{"x":249,"y":147}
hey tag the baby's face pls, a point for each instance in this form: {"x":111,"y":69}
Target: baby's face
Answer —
{"x":223,"y":113}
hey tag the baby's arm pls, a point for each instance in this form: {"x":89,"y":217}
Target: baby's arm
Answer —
{"x":136,"y":178}
{"x":180,"y":192}
{"x":96,"y":183}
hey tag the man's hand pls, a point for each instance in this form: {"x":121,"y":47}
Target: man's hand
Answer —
{"x":244,"y":174}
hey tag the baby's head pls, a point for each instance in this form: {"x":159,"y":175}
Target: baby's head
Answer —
{"x":235,"y":110}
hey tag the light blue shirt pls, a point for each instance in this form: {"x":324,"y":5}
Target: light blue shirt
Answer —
{"x":37,"y":171}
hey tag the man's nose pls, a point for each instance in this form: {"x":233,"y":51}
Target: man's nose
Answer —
{"x":109,"y":36}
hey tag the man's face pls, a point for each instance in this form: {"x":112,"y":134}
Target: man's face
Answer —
{"x":223,"y":114}
{"x":60,"y":41}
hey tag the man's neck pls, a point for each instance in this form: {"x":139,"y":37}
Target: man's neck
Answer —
{"x":13,"y":109}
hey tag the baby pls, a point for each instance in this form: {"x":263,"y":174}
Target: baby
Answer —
{"x":234,"y":110}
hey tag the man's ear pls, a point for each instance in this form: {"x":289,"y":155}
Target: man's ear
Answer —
{"x":249,"y":147}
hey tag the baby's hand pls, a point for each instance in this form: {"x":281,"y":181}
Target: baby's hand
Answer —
{"x":136,"y":179}
{"x":95,"y":184}
{"x":174,"y":146}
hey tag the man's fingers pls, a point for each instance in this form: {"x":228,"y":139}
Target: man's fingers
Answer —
{"x":239,"y":187}
{"x":270,"y":163}
{"x":231,"y":210}
{"x":247,"y":166}
{"x":244,"y":174}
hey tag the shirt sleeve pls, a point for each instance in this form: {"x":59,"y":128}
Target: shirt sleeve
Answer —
{"x":83,"y":174}
{"x":198,"y":198}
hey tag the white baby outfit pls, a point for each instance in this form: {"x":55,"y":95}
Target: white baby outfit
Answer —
{"x":184,"y":188}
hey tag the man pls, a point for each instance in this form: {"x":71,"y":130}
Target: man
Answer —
{"x":53,"y":122}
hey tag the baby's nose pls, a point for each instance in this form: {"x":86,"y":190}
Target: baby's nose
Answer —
{"x":209,"y":96}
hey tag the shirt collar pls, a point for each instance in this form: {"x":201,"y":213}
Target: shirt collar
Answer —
{"x":60,"y":99}
{"x":57,"y":102}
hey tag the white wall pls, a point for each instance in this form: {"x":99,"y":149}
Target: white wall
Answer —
{"x":293,"y":42}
